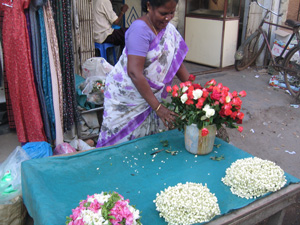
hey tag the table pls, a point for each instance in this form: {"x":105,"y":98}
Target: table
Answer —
{"x":53,"y":186}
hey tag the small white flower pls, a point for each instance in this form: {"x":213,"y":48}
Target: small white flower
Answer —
{"x":183,"y":98}
{"x":187,"y":204}
{"x":197,"y":93}
{"x":253,"y":177}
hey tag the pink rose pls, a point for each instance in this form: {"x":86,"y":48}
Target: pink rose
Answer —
{"x":204,"y":132}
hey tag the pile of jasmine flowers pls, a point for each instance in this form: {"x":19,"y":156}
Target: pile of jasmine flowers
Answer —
{"x":187,"y":204}
{"x":253,"y":177}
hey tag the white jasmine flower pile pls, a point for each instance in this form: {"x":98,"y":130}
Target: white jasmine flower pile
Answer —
{"x":187,"y":204}
{"x":254,"y":177}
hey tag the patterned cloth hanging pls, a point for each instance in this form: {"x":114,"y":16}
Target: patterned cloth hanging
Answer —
{"x":19,"y":73}
{"x":62,"y":17}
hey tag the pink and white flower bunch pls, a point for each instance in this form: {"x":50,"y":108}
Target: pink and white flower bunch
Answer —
{"x":104,"y":209}
{"x":211,"y":104}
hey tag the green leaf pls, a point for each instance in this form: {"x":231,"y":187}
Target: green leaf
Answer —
{"x":217,"y":158}
{"x":165,"y":143}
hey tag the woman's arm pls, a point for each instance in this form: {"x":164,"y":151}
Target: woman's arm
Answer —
{"x":135,"y":67}
{"x":182,"y":73}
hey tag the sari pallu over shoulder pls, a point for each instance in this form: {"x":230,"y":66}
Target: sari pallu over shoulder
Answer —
{"x":124,"y":108}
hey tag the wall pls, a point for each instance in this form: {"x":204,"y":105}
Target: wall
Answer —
{"x":293,"y":9}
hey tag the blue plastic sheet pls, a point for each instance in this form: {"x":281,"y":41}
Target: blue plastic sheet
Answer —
{"x":37,"y":150}
{"x":53,"y":186}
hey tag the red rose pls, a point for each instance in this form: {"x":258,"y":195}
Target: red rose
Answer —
{"x":200,"y":103}
{"x":233,"y":115}
{"x":237,"y":101}
{"x":215,"y":95}
{"x":242,"y":93}
{"x":188,"y":83}
{"x":220,"y":85}
{"x":234,"y":94}
{"x":189,"y":102}
{"x":240,"y":129}
{"x":240,"y":115}
{"x":192,"y":77}
{"x":175,"y":88}
{"x":212,"y":82}
{"x":225,"y":88}
{"x":204,"y":132}
{"x":197,"y":86}
{"x":205,"y":93}
{"x":169,"y":89}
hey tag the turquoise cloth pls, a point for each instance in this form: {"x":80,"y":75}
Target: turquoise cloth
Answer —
{"x":53,"y":186}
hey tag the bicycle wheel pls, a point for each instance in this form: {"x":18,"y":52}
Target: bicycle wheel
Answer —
{"x":291,"y":69}
{"x":250,"y":50}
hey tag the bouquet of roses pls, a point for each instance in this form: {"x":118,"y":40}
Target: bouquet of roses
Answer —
{"x":211,"y":104}
{"x":104,"y":209}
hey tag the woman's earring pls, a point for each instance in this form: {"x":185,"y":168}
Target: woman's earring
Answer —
{"x":147,"y":9}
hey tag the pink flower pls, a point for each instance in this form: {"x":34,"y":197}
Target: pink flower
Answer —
{"x":204,"y":132}
{"x":240,"y":129}
{"x":174,"y":94}
{"x":242,"y":93}
{"x":169,"y":89}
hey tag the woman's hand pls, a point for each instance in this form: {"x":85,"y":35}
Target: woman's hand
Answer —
{"x":167,"y":116}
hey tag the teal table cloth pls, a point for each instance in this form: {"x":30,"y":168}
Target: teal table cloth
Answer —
{"x":53,"y":186}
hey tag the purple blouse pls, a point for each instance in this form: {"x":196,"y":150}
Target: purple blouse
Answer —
{"x":138,"y":38}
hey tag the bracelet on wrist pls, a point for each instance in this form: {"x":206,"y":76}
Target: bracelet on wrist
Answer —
{"x":158,"y":107}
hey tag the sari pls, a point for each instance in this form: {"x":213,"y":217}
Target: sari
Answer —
{"x":126,"y":114}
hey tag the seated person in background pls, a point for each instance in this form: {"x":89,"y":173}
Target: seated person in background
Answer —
{"x":153,"y":56}
{"x":104,"y":17}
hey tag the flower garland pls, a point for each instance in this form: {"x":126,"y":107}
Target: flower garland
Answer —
{"x":187,"y":204}
{"x":104,"y":209}
{"x":253,"y":177}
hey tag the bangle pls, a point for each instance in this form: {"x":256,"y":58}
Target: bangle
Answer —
{"x":158,"y":107}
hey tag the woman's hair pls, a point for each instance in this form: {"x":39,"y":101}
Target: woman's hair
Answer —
{"x":154,"y":3}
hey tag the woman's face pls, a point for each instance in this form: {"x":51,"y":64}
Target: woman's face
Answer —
{"x":161,"y":16}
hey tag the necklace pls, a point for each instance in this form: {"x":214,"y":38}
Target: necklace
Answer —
{"x":152,"y":25}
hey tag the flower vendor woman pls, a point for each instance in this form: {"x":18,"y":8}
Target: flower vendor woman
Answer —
{"x":153,"y":54}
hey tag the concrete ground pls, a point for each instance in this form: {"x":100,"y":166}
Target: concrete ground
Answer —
{"x":271,"y":123}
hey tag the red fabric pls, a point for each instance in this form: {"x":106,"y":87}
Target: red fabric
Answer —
{"x":19,"y":73}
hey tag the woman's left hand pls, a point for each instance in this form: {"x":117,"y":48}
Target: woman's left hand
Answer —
{"x":167,"y":116}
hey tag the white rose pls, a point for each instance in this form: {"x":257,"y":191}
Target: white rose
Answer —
{"x":183,"y":98}
{"x":209,"y":113}
{"x":228,"y":99}
{"x":184,"y":89}
{"x":197,"y":94}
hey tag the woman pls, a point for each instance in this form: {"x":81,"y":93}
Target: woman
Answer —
{"x":153,"y":55}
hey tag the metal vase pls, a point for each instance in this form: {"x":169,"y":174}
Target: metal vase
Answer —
{"x":195,"y":143}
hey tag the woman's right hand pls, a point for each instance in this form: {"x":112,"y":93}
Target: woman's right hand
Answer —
{"x":167,"y":116}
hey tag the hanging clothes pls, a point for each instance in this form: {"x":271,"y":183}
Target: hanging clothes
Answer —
{"x":19,"y":73}
{"x":46,"y":75}
{"x":35,"y":40}
{"x":55,"y":72}
{"x":62,"y":13}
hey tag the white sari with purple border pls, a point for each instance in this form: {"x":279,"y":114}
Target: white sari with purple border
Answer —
{"x":126,"y":114}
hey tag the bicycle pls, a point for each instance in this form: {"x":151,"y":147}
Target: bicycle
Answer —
{"x":287,"y":63}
